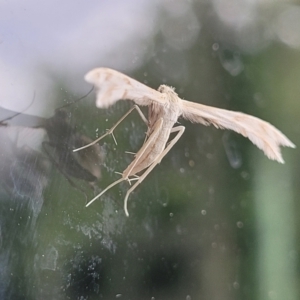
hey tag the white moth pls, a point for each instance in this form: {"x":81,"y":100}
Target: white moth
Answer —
{"x":164,"y":109}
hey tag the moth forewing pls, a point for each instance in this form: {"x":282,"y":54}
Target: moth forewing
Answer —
{"x":113,"y":86}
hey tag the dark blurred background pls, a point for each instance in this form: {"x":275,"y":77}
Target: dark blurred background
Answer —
{"x":215,"y":220}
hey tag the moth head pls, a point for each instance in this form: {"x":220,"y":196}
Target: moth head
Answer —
{"x":166,"y":89}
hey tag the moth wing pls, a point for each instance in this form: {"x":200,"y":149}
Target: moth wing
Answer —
{"x":261,"y":133}
{"x":112,"y":86}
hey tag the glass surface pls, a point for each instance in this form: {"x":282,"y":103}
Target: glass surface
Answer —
{"x":214,"y":220}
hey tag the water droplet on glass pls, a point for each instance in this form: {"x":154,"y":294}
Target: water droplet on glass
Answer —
{"x":191,"y":163}
{"x":240,"y":224}
{"x":231,"y":62}
{"x":233,"y":155}
{"x":245,"y":175}
{"x":215,"y":46}
{"x":258,"y":99}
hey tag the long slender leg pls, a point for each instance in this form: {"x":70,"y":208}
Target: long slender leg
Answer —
{"x":158,"y":126}
{"x":110,"y":186}
{"x":141,"y":114}
{"x":180,"y":130}
{"x":110,"y":131}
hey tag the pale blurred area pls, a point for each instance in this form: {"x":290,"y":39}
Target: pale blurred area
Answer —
{"x":42,"y":38}
{"x":216,"y":220}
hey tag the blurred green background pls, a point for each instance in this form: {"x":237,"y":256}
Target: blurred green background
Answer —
{"x":216,"y":219}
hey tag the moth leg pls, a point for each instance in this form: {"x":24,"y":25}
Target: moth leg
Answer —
{"x":106,"y":189}
{"x":141,"y":114}
{"x":129,"y":152}
{"x":180,"y":130}
{"x":109,"y":187}
{"x":157,"y":127}
{"x":110,"y":131}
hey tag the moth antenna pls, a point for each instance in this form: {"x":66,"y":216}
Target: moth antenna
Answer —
{"x":18,"y":113}
{"x":75,"y":101}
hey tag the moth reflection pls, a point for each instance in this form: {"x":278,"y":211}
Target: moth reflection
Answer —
{"x":30,"y":140}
